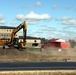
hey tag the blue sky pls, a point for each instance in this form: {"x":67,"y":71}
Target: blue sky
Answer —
{"x":45,"y":18}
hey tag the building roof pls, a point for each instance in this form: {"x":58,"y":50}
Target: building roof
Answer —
{"x":28,"y":37}
{"x":52,"y":40}
{"x":56,"y":40}
{"x":6,"y":27}
{"x":60,"y":40}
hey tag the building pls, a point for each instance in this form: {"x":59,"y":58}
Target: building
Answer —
{"x":5,"y":32}
{"x":57,"y":43}
{"x":31,"y":41}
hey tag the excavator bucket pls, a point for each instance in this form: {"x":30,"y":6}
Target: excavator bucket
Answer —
{"x":23,"y":45}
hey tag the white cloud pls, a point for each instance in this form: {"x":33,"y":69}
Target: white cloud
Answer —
{"x":20,"y":17}
{"x":31,"y":22}
{"x":2,"y":19}
{"x":55,"y":6}
{"x":63,"y":18}
{"x":63,"y":7}
{"x":35,"y":16}
{"x":36,"y":36}
{"x":13,"y":22}
{"x":67,"y":20}
{"x":38,"y":4}
{"x":40,"y":31}
{"x":32,"y":17}
{"x":70,"y":7}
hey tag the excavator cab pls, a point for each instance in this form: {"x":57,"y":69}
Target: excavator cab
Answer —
{"x":18,"y":45}
{"x":15,"y":42}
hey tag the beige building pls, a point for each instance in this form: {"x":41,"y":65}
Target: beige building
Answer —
{"x":5,"y":32}
{"x":31,"y":41}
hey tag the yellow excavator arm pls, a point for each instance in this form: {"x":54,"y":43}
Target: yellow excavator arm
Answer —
{"x":24,"y":26}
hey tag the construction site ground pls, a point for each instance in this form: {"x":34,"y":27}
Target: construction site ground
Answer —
{"x":36,"y":55}
{"x":39,"y":72}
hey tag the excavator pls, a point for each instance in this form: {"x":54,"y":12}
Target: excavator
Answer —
{"x":14,"y":42}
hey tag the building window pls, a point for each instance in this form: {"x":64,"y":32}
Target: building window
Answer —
{"x":3,"y":29}
{"x":9,"y":34}
{"x":35,"y":43}
{"x":10,"y":30}
{"x":4,"y":35}
{"x":34,"y":40}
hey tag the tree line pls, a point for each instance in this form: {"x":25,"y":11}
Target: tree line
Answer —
{"x":72,"y":42}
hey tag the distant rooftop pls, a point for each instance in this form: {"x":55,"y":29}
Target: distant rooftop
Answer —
{"x":28,"y":37}
{"x":6,"y":27}
{"x":56,"y":40}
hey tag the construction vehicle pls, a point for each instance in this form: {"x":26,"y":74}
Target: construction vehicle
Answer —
{"x":14,"y":42}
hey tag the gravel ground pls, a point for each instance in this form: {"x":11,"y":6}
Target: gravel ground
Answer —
{"x":40,"y":72}
{"x":49,"y":55}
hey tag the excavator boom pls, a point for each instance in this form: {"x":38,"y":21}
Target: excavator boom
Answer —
{"x":24,"y":26}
